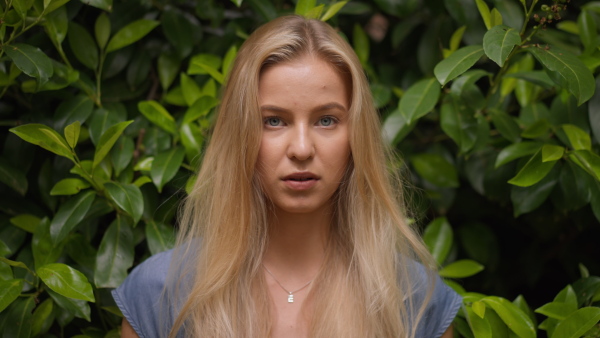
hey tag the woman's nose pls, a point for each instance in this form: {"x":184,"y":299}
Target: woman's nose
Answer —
{"x":301,"y":144}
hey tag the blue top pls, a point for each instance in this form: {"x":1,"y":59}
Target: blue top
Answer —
{"x":140,"y":294}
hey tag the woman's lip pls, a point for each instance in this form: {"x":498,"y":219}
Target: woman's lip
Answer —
{"x":300,"y":185}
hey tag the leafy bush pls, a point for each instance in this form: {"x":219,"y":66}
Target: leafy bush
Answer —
{"x":492,"y":104}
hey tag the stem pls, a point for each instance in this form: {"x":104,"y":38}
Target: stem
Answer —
{"x":99,"y":78}
{"x":528,"y":16}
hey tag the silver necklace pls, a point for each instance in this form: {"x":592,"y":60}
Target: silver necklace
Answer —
{"x":290,"y":293}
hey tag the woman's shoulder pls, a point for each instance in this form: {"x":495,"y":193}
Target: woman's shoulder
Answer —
{"x":139,"y":295}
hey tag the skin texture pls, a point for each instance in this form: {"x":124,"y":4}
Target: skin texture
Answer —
{"x":304,"y":105}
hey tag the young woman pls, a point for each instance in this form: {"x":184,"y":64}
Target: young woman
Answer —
{"x":295,"y":227}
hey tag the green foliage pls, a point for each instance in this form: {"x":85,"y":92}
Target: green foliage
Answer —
{"x":105,"y":107}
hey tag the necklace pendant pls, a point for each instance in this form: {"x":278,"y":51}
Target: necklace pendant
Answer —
{"x":290,"y":298}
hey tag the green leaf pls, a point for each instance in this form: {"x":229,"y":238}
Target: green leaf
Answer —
{"x":435,"y":169}
{"x":537,"y":129}
{"x":177,"y":29}
{"x":158,"y":115}
{"x":191,"y":90}
{"x":461,"y":269}
{"x":130,"y":34}
{"x":220,"y":78}
{"x":19,"y":316}
{"x":315,"y":12}
{"x":14,"y":263}
{"x":567,"y":71}
{"x":457,"y":63}
{"x":533,"y":171}
{"x":165,"y":166}
{"x":103,"y":118}
{"x":481,"y":327}
{"x":361,"y":44}
{"x":13,"y":177}
{"x":537,"y":77}
{"x":496,"y":17}
{"x":499,"y":42}
{"x":333,"y":9}
{"x":26,"y":222}
{"x":456,"y":38}
{"x":66,"y":281}
{"x":516,"y":320}
{"x":419,"y":100}
{"x":192,"y":140}
{"x":9,"y":291}
{"x":210,"y":60}
{"x":396,"y":128}
{"x":83,"y":45}
{"x":304,"y":6}
{"x":57,"y":24}
{"x":168,"y":67}
{"x":527,"y":199}
{"x":107,"y":140}
{"x":115,"y":255}
{"x":70,"y":214}
{"x":49,"y":140}
{"x":588,"y":161}
{"x":438,"y":237}
{"x":31,"y":61}
{"x":588,"y":31}
{"x":160,"y":237}
{"x":577,"y":323}
{"x":121,"y":154}
{"x":484,"y":10}
{"x":102,"y":30}
{"x":22,"y":6}
{"x":551,"y":152}
{"x":556,"y":310}
{"x":72,"y":132}
{"x":579,"y":139}
{"x":76,"y":307}
{"x":43,"y":317}
{"x":200,"y":108}
{"x":43,"y":250}
{"x":128,"y":197}
{"x":458,"y":121}
{"x":69,"y":186}
{"x":506,"y":125}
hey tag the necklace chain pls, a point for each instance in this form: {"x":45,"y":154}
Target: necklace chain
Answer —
{"x":290,"y":293}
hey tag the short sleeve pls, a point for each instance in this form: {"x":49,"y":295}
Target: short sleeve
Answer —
{"x":441,"y":309}
{"x":139,"y":296}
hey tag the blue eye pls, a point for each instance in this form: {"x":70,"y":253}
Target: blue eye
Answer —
{"x":327,"y":121}
{"x":273,"y":121}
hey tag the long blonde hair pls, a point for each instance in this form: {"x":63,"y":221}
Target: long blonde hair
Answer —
{"x":364,"y":287}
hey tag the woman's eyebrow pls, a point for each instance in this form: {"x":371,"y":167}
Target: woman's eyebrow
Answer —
{"x":323,"y":107}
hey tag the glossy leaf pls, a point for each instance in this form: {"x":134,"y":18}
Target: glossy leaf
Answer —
{"x":579,"y":139}
{"x":83,"y":45}
{"x":72,"y":132}
{"x":588,"y":31}
{"x":128,"y":197}
{"x":122,"y":153}
{"x":42,"y":317}
{"x":458,"y":121}
{"x":76,"y":307}
{"x":130,"y":34}
{"x":556,"y":310}
{"x":192,"y":140}
{"x":44,"y":251}
{"x":200,"y":108}
{"x":104,"y":118}
{"x":419,"y":99}
{"x":567,"y":71}
{"x":461,"y":269}
{"x":457,"y":63}
{"x":107,"y":140}
{"x":506,"y":125}
{"x":49,"y":140}
{"x":102,"y":30}
{"x":70,"y":214}
{"x":177,"y":29}
{"x":537,"y":129}
{"x":219,"y":77}
{"x":438,"y":237}
{"x":165,"y":166}
{"x":551,"y":152}
{"x":480,"y":326}
{"x":577,"y":323}
{"x":9,"y":291}
{"x":13,"y":177}
{"x":160,"y":237}
{"x":515,"y":318}
{"x":191,"y":90}
{"x":533,"y":171}
{"x":26,"y":222}
{"x":304,"y":6}
{"x":168,"y":67}
{"x":467,"y":79}
{"x":588,"y":161}
{"x":158,"y":115}
{"x":210,"y":60}
{"x":396,"y":128}
{"x":31,"y":61}
{"x":499,"y":42}
{"x":66,"y":281}
{"x":527,"y":199}
{"x":484,"y":11}
{"x":333,"y":9}
{"x":57,"y":24}
{"x":361,"y":44}
{"x":435,"y":169}
{"x":19,"y":318}
{"x":115,"y":254}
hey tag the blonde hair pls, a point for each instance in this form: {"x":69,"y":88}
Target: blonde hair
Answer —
{"x":364,"y":287}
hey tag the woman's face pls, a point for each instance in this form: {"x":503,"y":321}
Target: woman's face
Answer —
{"x":305,"y":147}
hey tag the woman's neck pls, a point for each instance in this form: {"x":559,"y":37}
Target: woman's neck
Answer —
{"x":297,"y":245}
